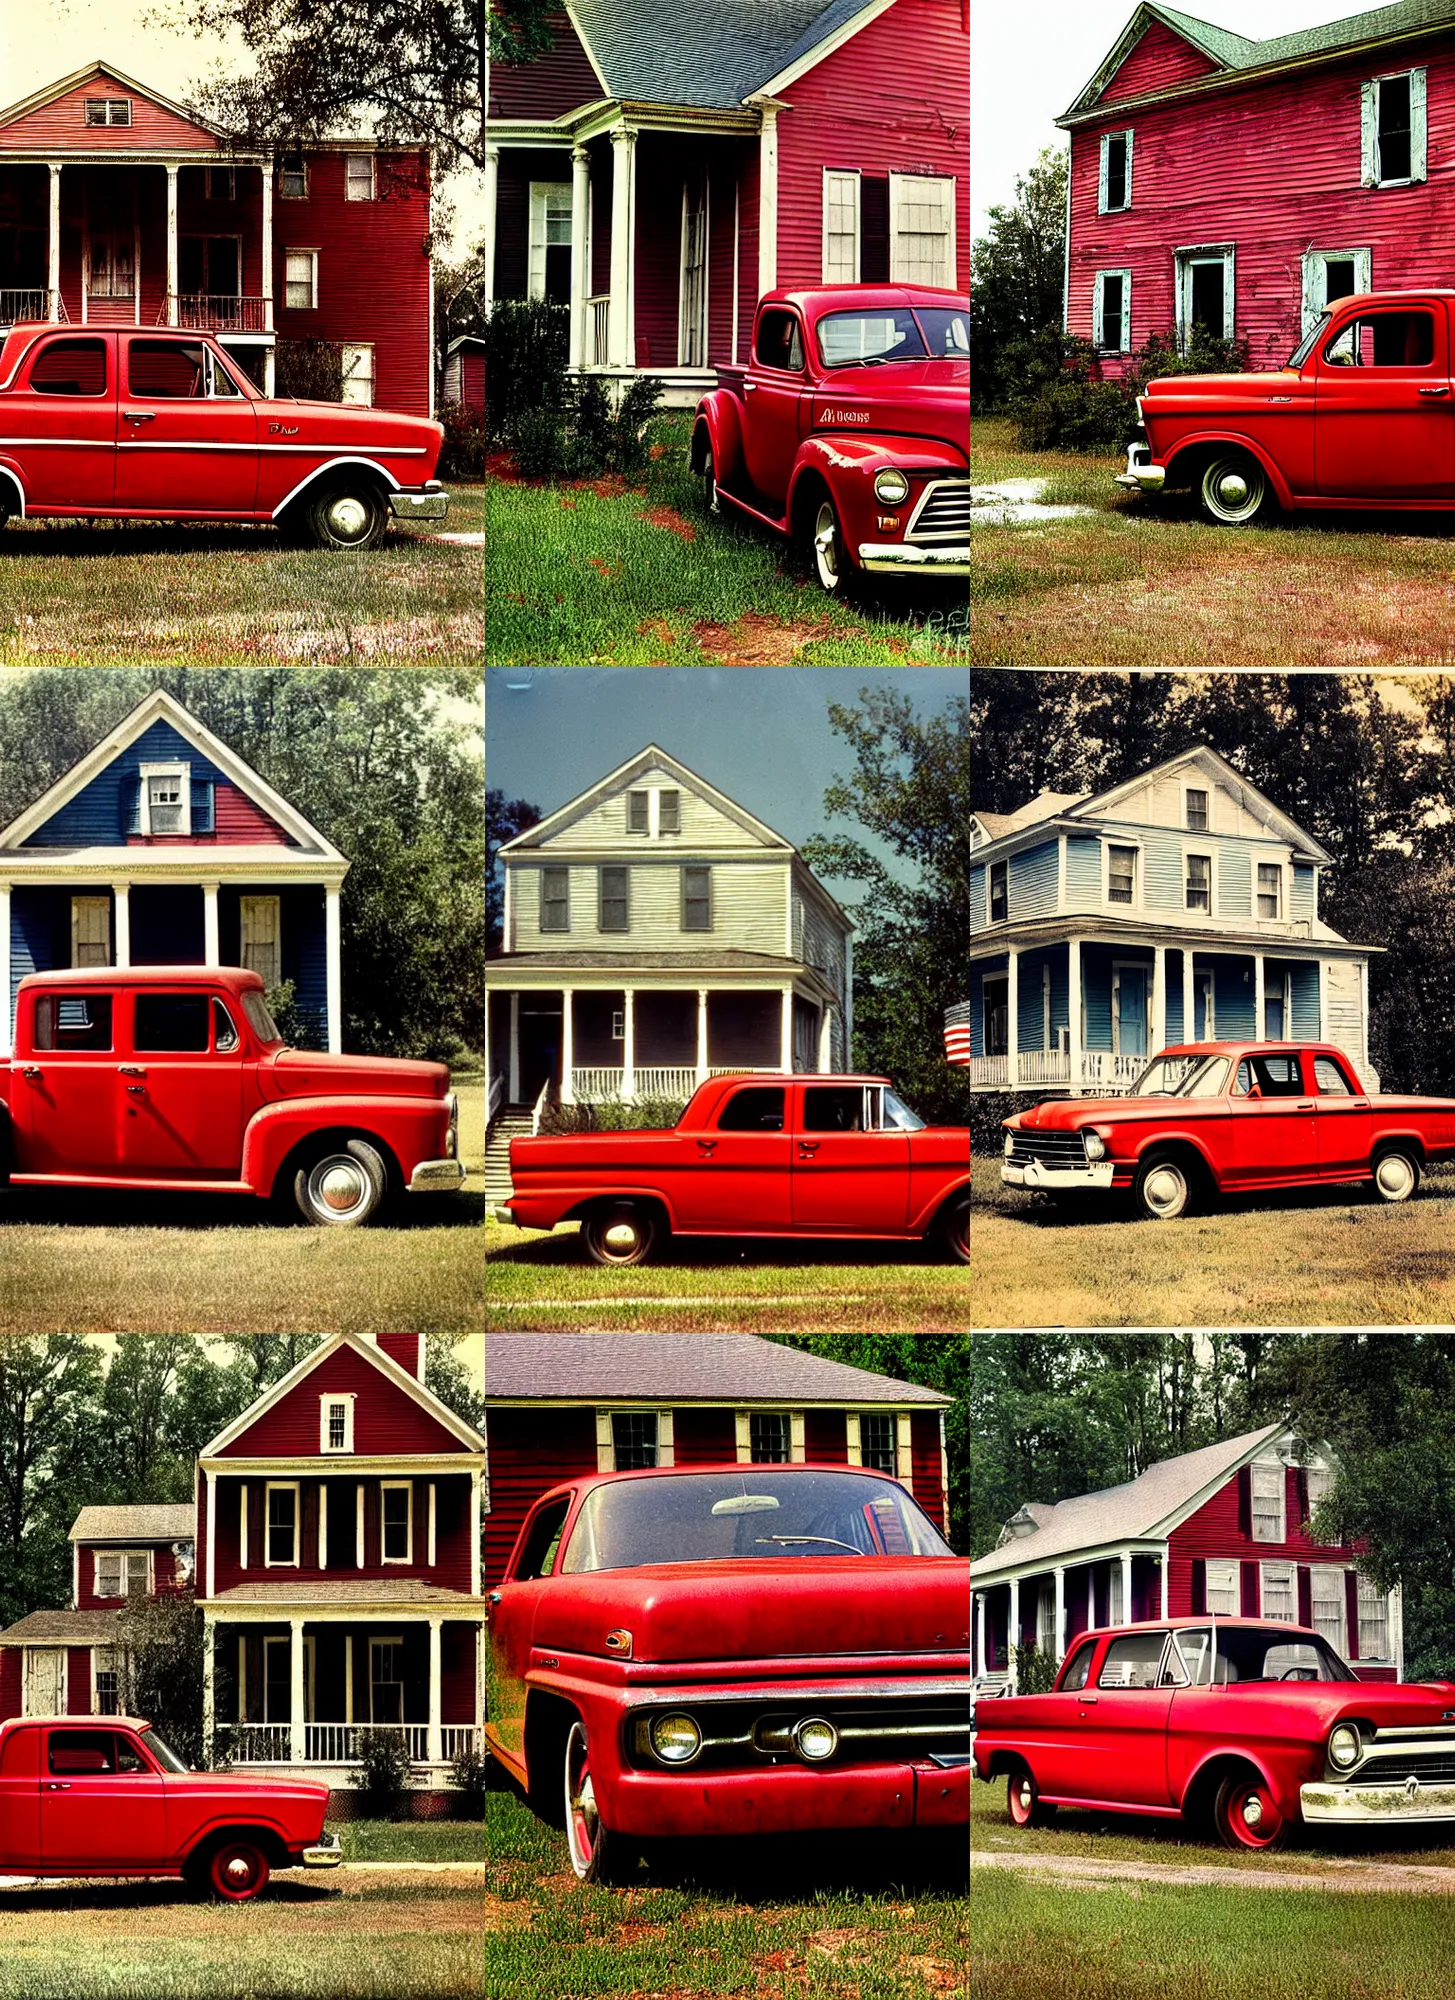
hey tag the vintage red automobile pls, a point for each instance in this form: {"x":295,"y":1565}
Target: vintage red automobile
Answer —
{"x":1228,"y":1117}
{"x":1360,"y":416}
{"x":849,"y":429}
{"x":740,"y":1649}
{"x":107,"y":1796}
{"x":754,"y":1154}
{"x":1256,"y":1727}
{"x":175,"y":1079}
{"x":155,"y":424}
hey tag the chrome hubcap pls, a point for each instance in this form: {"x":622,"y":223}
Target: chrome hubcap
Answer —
{"x":1233,"y":489}
{"x":339,"y":1185}
{"x":1395,"y":1177}
{"x":622,"y":1236}
{"x":1166,"y":1191}
{"x":825,"y":542}
{"x":348,"y":518}
{"x":238,"y":1870}
{"x":1025,"y":1798}
{"x":1253,"y":1812}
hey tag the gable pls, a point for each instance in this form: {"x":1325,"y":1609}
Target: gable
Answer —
{"x":604,"y":827}
{"x":61,"y":122}
{"x":387,"y":1421}
{"x":561,"y":81}
{"x":102,"y":813}
{"x":1158,"y":59}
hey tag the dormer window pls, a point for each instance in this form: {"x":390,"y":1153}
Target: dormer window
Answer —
{"x":108,"y":110}
{"x":1196,"y":810}
{"x":336,"y":1423}
{"x":397,"y":1521}
{"x":123,"y":1572}
{"x":166,"y":799}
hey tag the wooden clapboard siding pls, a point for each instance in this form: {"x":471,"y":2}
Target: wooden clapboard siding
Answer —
{"x":386,"y":1420}
{"x":530,"y":1451}
{"x":1160,"y":57}
{"x":459,"y":1650}
{"x":603,"y":829}
{"x":62,"y":123}
{"x":78,"y":1680}
{"x":561,"y":80}
{"x":748,"y":905}
{"x":927,"y":1481}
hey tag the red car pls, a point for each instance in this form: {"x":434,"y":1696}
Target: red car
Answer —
{"x":753,"y":1155}
{"x":1255,"y":1726}
{"x":1224,"y":1117}
{"x":849,"y":429}
{"x":107,"y":1796}
{"x":155,"y":424}
{"x":175,"y":1079}
{"x":1359,"y":416}
{"x":737,"y":1649}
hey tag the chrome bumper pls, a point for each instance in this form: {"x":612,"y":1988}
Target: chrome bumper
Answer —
{"x":889,"y":557}
{"x":1369,"y":1805}
{"x":432,"y":1176}
{"x":503,"y":1215}
{"x":1035,"y":1174}
{"x":327,"y":1854}
{"x":1141,"y":475}
{"x":429,"y":502}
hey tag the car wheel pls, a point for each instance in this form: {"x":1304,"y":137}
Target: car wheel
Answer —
{"x":238,"y":1871}
{"x":831,"y":560}
{"x":347,"y":515}
{"x":597,"y":1853}
{"x":955,"y":1229}
{"x":709,"y":482}
{"x":1163,"y":1189}
{"x":343,"y":1187}
{"x":1023,"y":1800}
{"x":1245,"y":1814}
{"x":1396,"y":1175}
{"x":1233,"y":490}
{"x":626,"y":1234}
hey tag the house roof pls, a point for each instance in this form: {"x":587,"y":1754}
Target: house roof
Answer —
{"x":1145,"y":1508}
{"x":158,"y":1522}
{"x":679,"y":1368}
{"x":78,"y":1628}
{"x":715,"y":53}
{"x":650,"y":757}
{"x":387,"y":1366}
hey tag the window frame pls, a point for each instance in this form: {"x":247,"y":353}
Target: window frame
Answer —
{"x":1098,"y":313}
{"x":1204,"y":790}
{"x":1367,"y":1594}
{"x":543,"y":199}
{"x":1149,"y":973}
{"x":49,"y":345}
{"x":247,"y":944}
{"x":548,"y":870}
{"x":1235,"y":1570}
{"x":1280,"y":915}
{"x":1127,"y":845}
{"x":311,"y":253}
{"x":1370,"y":91}
{"x":1267,"y":1466}
{"x":990,"y":868}
{"x":293,"y":1486}
{"x":1315,"y":275}
{"x":623,"y":929}
{"x":1184,"y":259}
{"x":1103,"y":189}
{"x":78,"y":903}
{"x":1313,"y":1501}
{"x":345,"y":1450}
{"x":697,"y":868}
{"x":107,"y":106}
{"x":300,"y":172}
{"x":642,"y":792}
{"x":900,"y":194}
{"x":644,"y":1410}
{"x":988,"y":979}
{"x":783,"y":1416}
{"x":1209,"y":855}
{"x":1288,"y":1569}
{"x":358,"y":347}
{"x":182,"y":772}
{"x":209,"y":193}
{"x":395,"y":1486}
{"x":350,"y":157}
{"x":854,"y":176}
{"x":665,"y":792}
{"x":123,"y":1556}
{"x":888,"y":1417}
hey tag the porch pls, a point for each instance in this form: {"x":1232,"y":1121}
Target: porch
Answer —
{"x":1049,"y":1608}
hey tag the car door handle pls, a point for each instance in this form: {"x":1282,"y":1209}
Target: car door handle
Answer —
{"x":136,"y":1090}
{"x":707,"y":1147}
{"x":51,"y":1785}
{"x":139,"y":416}
{"x":129,"y":1069}
{"x":750,"y":388}
{"x":1308,"y":1107}
{"x":806,"y":1147}
{"x":31,"y":1073}
{"x":1280,"y":399}
{"x":1088,"y":1700}
{"x":1438,"y":389}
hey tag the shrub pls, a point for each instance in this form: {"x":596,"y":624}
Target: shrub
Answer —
{"x":462,"y":456}
{"x":312,"y":369}
{"x":527,"y":353}
{"x":160,"y":1653}
{"x":614,"y":1114}
{"x":1065,"y":403}
{"x":1035,"y":1671}
{"x":382,"y":1777}
{"x":467,"y":1775}
{"x":581,"y":436}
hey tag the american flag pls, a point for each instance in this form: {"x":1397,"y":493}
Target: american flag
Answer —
{"x":957,"y":1033}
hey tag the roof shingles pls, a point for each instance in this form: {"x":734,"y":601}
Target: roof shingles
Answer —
{"x":716,"y":52}
{"x":159,"y":1522}
{"x":679,"y":1367}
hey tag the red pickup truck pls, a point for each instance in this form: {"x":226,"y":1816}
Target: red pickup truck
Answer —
{"x":741,"y":1649}
{"x":175,"y":1078}
{"x":157,"y":424}
{"x":1219,"y":1117}
{"x":849,"y":429}
{"x":1361,"y":415}
{"x":110,"y":1797}
{"x":754,"y":1154}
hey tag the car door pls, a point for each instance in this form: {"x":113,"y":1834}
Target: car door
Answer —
{"x":1273,"y":1122}
{"x":1384,"y":414}
{"x":59,"y":422}
{"x":187,"y":432}
{"x":180,"y":1086}
{"x":773,"y":389}
{"x":1122,"y":1732}
{"x":737,"y":1174}
{"x":65,"y":1096}
{"x":1342,"y":1116}
{"x":1054,"y":1738}
{"x":512,"y":1616}
{"x":102,"y":1803}
{"x":850,"y":1172}
{"x":20,"y":1799}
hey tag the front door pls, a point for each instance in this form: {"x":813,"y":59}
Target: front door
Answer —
{"x":1384,"y":422}
{"x":775,"y":388}
{"x":692,"y":285}
{"x":100,"y":1801}
{"x":1122,"y":1732}
{"x":1129,"y":1010}
{"x":45,"y":1680}
{"x":1203,"y":1009}
{"x":736,"y":1176}
{"x":187,"y":435}
{"x":65,"y":1096}
{"x":849,"y":1173}
{"x":61,"y":421}
{"x":180,"y":1089}
{"x":111,"y":285}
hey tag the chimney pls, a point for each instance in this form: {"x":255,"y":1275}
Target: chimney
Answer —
{"x":405,"y":1348}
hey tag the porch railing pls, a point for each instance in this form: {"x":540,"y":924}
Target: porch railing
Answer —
{"x":259,"y":1742}
{"x":666,"y":1082}
{"x":593,"y":1086}
{"x":457,"y":1737}
{"x":1036,"y":1069}
{"x":29,"y":304}
{"x":590,"y":1086}
{"x":600,"y":311}
{"x":338,"y":1742}
{"x":223,"y":312}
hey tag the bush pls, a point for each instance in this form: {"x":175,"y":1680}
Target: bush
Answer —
{"x":467,"y":1775}
{"x":462,"y":456}
{"x":527,"y":353}
{"x":614,"y":1114}
{"x":312,"y":369}
{"x":382,"y":1778}
{"x":582,"y":437}
{"x":1035,"y":1671}
{"x":1065,"y":404}
{"x":160,"y":1654}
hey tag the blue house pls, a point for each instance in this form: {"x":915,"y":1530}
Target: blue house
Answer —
{"x":1180,"y":906}
{"x":162,"y":847}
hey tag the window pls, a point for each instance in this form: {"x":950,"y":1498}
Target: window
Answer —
{"x":172,"y":1023}
{"x":165,"y":797}
{"x":692,"y":277}
{"x":922,"y":229}
{"x":1046,"y":1621}
{"x":697,"y":899}
{"x":222,"y":183}
{"x":999,"y":891}
{"x":1121,"y":874}
{"x":1277,"y":1007}
{"x":1327,"y":1605}
{"x":1331,"y":275}
{"x":613,"y":914}
{"x":995,"y":998}
{"x":1280,"y":1592}
{"x":396,"y":1520}
{"x":669,"y":812}
{"x":358,"y":365}
{"x":1329,"y":1078}
{"x":108,"y":110}
{"x":1267,"y":1499}
{"x":548,"y":255}
{"x":1199,"y":883}
{"x":224,"y":1030}
{"x":69,"y":368}
{"x":618,"y":1024}
{"x":834,"y":1108}
{"x":555,"y":899}
{"x":282,"y":1526}
{"x":1075,"y":1675}
{"x":780,"y":341}
{"x":336,"y":1423}
{"x":759,"y":1109}
{"x":877,"y":1441}
{"x":840,"y":228}
{"x":106,"y":1680}
{"x":1318,"y":1485}
{"x":1392,"y":130}
{"x":123,"y":1573}
{"x":386,"y":1680}
{"x":1115,"y":187}
{"x":543,"y":1538}
{"x":1132,"y":1662}
{"x":1270,"y":891}
{"x":90,"y":930}
{"x":1205,"y":291}
{"x":770,"y":1437}
{"x":166,"y":370}
{"x":293,"y":177}
{"x":1112,"y":330}
{"x":359,"y":177}
{"x":1384,"y":340}
{"x":210,"y":266}
{"x":1373,"y":1622}
{"x":1224,"y":1590}
{"x":79,"y":1021}
{"x":1269,"y":1076}
{"x":633,"y":1440}
{"x":638,"y":812}
{"x":300,"y":279}
{"x":260,"y":937}
{"x":1195,"y":806}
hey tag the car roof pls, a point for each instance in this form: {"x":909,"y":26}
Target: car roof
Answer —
{"x":838,"y":298}
{"x":1251,"y":1048}
{"x":236,"y":978}
{"x":14,"y":1722}
{"x":1199,"y":1622}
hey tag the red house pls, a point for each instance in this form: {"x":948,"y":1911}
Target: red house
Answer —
{"x":561,"y":1404}
{"x":1222,"y":1531}
{"x":1243,"y":185}
{"x":120,"y":207}
{"x":664,"y":165}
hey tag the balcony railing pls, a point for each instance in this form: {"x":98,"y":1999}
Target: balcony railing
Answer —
{"x":338,"y":1742}
{"x":32,"y":304}
{"x":597,"y":342}
{"x":221,"y":312}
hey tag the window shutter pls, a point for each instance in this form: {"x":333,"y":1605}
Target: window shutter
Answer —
{"x":1368,"y":129}
{"x":133,"y":805}
{"x":202,"y":789}
{"x":1101,"y":180}
{"x":1305,"y":1599}
{"x":1128,"y":136}
{"x":1248,"y":1585}
{"x":1245,"y":1503}
{"x":1351,"y":1608}
{"x":1127,"y":283}
{"x":1199,"y":1587}
{"x":1417,"y":124}
{"x":1098,"y":310}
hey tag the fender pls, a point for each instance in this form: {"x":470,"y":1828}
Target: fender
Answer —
{"x":226,"y":1822}
{"x":1280,"y":485}
{"x":848,"y":449}
{"x":1288,"y":1804}
{"x":721,"y":413}
{"x":566,"y":1204}
{"x":10,"y":473}
{"x":923,"y":1219}
{"x":1181,"y":1137}
{"x":402,"y":1126}
{"x":1384,"y":1134}
{"x":390,"y":482}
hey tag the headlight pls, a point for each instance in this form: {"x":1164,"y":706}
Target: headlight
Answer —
{"x":1095,"y":1145}
{"x":891,"y":486}
{"x":1009,"y":1144}
{"x":675,"y":1738}
{"x":1344,"y":1746}
{"x":816,"y":1739}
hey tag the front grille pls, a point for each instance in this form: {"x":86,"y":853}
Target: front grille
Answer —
{"x":1052,"y":1149}
{"x":751,"y":1734}
{"x":944,"y":514}
{"x":1431,"y":1769}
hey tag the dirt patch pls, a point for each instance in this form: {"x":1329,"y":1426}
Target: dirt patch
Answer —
{"x":671,"y":520}
{"x":659,"y":629}
{"x":1352,"y":1877}
{"x":756,"y":640}
{"x":610,"y":486}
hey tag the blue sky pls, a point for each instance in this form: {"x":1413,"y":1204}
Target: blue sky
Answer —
{"x":760,"y":734}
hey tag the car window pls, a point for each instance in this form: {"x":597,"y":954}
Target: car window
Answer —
{"x":70,"y":368}
{"x":780,"y":341}
{"x":72,"y":1021}
{"x":224,"y":1030}
{"x":171,"y":1023}
{"x":1132,"y":1662}
{"x":1269,"y":1076}
{"x":85,"y":1753}
{"x":164,"y":369}
{"x":1384,"y":340}
{"x":880,"y":333}
{"x":1329,"y":1079}
{"x":752,"y":1111}
{"x":542,"y":1540}
{"x":833,"y":1108}
{"x":1080,"y":1667}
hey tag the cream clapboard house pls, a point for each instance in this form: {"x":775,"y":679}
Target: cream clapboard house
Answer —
{"x":656,"y":934}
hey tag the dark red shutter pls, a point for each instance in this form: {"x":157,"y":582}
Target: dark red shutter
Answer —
{"x":1199,"y":1587}
{"x":1351,"y":1606}
{"x":1305,"y":1598}
{"x":1245,"y":1503}
{"x":1249,"y":1582}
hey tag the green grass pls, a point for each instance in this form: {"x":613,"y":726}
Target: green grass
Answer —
{"x":543,"y":1281}
{"x":579,"y":578}
{"x":411,"y":1839}
{"x":88,"y":592}
{"x":875,"y":1918}
{"x":89,"y":1263}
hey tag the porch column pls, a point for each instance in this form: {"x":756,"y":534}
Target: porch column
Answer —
{"x":767,"y":199}
{"x":211,"y":950}
{"x":1259,"y":1024}
{"x":628,"y":1043}
{"x":433,"y":1751}
{"x":297,"y":1738}
{"x":621,"y":343}
{"x":568,"y":1050}
{"x":1012,"y":1016}
{"x":1166,"y":1566}
{"x":333,"y":957}
{"x":1159,"y":999}
{"x":1189,"y":1000}
{"x":349,"y":1679}
{"x":1126,"y":1589}
{"x":492,"y":179}
{"x":1013,"y":1631}
{"x":7,"y":1022}
{"x":172,"y":258}
{"x":1364,"y":1019}
{"x":1323,"y":969}
{"x":514,"y":1082}
{"x":580,"y":275}
{"x":1060,"y":1626}
{"x":825,"y":1041}
{"x":121,"y":943}
{"x":786,"y":1038}
{"x":1073,"y":1011}
{"x":266,"y":251}
{"x":209,"y":1640}
{"x":980,"y":1632}
{"x":701,"y":1035}
{"x":53,"y":272}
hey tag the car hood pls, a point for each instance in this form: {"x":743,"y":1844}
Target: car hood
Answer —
{"x":1224,"y":388}
{"x":307,"y":1073}
{"x":777,"y":1609}
{"x":929,"y":399}
{"x":1073,"y":1114}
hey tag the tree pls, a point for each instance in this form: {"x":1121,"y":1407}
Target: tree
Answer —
{"x":138,"y":1404}
{"x":519,"y":30}
{"x":50,"y":1389}
{"x":504,"y":819}
{"x":162,"y":1665}
{"x":1017,"y":276}
{"x":459,"y":297}
{"x":450,"y":1381}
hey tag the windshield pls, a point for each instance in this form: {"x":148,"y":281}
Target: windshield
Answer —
{"x":946,"y":329}
{"x":898,"y":1116}
{"x":874,"y":334}
{"x":259,"y":1019}
{"x":165,"y":1755}
{"x":1306,"y":346}
{"x":1183,"y":1076}
{"x":756,"y":1513}
{"x":1258,"y":1653}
